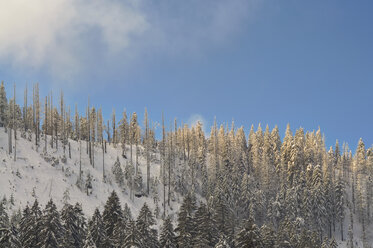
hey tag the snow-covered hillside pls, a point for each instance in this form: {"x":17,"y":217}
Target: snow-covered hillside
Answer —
{"x":31,"y":176}
{"x":44,"y":176}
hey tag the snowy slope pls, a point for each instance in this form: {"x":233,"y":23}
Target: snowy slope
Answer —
{"x":31,"y":173}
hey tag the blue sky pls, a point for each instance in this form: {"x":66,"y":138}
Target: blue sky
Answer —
{"x":307,"y":63}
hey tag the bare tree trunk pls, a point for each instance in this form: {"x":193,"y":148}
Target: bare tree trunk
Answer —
{"x":14,"y":124}
{"x":25,"y":109}
{"x":93,"y":153}
{"x":131,"y":153}
{"x":56,"y":132}
{"x":169,"y":169}
{"x":137,"y":157}
{"x":52,"y":117}
{"x":10,"y":139}
{"x":80,"y":158}
{"x":163,"y":165}
{"x":45,"y":123}
{"x":9,"y":133}
{"x":33,"y":116}
{"x":147,"y":153}
{"x":87,"y":146}
{"x":89,"y":134}
{"x":103,"y":162}
{"x":184,"y":155}
{"x":63,"y":124}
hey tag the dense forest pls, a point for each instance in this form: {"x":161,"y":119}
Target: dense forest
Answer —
{"x":239,"y":189}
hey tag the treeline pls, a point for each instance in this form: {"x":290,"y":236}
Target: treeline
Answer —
{"x":116,"y":227}
{"x":293,"y":190}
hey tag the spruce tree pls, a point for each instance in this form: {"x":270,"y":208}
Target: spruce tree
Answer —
{"x":340,"y":201}
{"x":118,"y":173}
{"x":167,"y":235}
{"x":133,"y":237}
{"x":223,"y":217}
{"x":223,"y":243}
{"x":80,"y":224}
{"x":268,"y":235}
{"x":96,"y":228}
{"x":88,"y":243}
{"x":249,"y":236}
{"x":3,"y":106}
{"x":26,"y":227}
{"x":69,"y":223}
{"x":52,"y":232}
{"x":144,"y":225}
{"x":30,"y":234}
{"x":123,"y":131}
{"x":112,"y":215}
{"x":205,"y":228}
{"x":4,"y":226}
{"x":186,"y":222}
{"x":9,"y":237}
{"x":127,"y":215}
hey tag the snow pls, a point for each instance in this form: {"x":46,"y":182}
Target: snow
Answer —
{"x":31,"y":173}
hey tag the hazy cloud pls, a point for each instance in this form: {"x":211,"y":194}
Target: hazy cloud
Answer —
{"x":66,"y":37}
{"x":195,"y":118}
{"x":56,"y":34}
{"x":194,"y":25}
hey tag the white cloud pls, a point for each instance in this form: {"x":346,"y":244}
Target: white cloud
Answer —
{"x":57,"y":34}
{"x":68,"y":37}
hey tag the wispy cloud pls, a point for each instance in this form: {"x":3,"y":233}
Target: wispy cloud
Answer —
{"x":57,"y":35}
{"x":64,"y":38}
{"x":195,"y":118}
{"x":192,"y":26}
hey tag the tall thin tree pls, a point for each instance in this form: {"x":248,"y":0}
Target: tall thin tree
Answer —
{"x":14,"y":123}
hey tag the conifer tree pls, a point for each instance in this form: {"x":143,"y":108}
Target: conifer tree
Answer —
{"x":163,"y":165}
{"x":10,"y":127}
{"x":31,"y":226}
{"x":268,"y":236}
{"x":71,"y":237}
{"x":124,"y":132}
{"x":112,"y":214}
{"x":3,"y":106}
{"x":88,"y":184}
{"x":248,"y":236}
{"x":45,"y":124}
{"x":118,"y":173}
{"x":184,"y":229}
{"x":119,"y":233}
{"x":113,"y":122}
{"x":36,"y":109}
{"x":96,"y":228}
{"x":4,"y":225}
{"x":25,"y":232}
{"x":146,"y":144}
{"x":133,"y":237}
{"x":205,"y":229}
{"x":88,"y":243}
{"x":286,"y":151}
{"x":223,"y":243}
{"x":144,"y":225}
{"x":167,"y":235}
{"x":223,"y":217}
{"x":52,"y":232}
